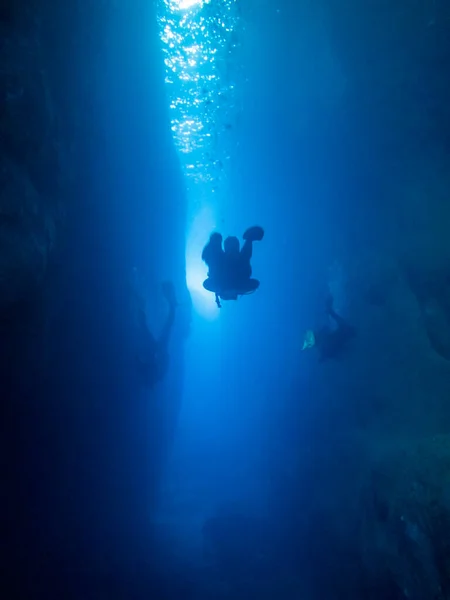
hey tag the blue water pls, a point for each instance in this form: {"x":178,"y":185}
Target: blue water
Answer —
{"x":233,"y":477}
{"x":135,"y":474}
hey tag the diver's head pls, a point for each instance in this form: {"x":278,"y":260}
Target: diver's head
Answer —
{"x":215,"y":239}
{"x":231,"y":245}
{"x":309,"y":340}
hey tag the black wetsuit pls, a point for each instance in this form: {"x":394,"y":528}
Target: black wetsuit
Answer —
{"x":153,"y":361}
{"x":228,"y":270}
{"x":237,"y":267}
{"x":332,"y":342}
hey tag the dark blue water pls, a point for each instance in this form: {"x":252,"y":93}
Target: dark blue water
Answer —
{"x":253,"y":469}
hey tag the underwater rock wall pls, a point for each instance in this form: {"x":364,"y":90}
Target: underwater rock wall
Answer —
{"x":76,"y":459}
{"x":387,"y":401}
{"x":378,"y":437}
{"x":398,"y":269}
{"x":42,"y":156}
{"x":32,"y":146}
{"x":38,"y":167}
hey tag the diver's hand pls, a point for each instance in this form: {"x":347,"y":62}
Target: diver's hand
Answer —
{"x":168,"y":289}
{"x":329,"y":304}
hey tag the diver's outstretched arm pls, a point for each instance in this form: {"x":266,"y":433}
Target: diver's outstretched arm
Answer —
{"x":138,"y":285}
{"x":247,"y":250}
{"x":164,"y":338}
{"x":340,"y":321}
{"x":143,"y":326}
{"x":344,"y":327}
{"x":168,"y":290}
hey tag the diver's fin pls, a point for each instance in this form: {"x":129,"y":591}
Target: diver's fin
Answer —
{"x":254,"y":234}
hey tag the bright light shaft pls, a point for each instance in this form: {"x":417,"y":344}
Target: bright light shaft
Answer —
{"x":199,"y":231}
{"x":199,"y":40}
{"x":184,"y":4}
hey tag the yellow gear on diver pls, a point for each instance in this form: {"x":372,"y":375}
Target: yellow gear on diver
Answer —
{"x":310,"y":340}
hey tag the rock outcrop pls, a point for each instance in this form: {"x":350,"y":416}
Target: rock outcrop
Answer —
{"x":30,"y":158}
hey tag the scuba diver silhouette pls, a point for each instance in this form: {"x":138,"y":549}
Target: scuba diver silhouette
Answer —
{"x":330,"y":342}
{"x":153,"y":360}
{"x":229,"y":268}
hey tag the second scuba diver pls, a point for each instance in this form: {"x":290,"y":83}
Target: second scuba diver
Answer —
{"x":330,"y":342}
{"x":152,"y":360}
